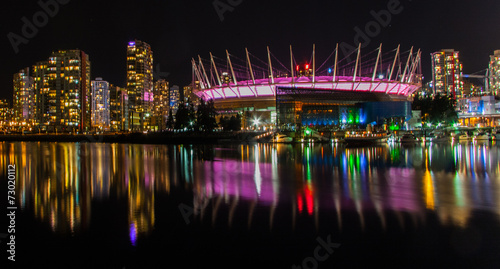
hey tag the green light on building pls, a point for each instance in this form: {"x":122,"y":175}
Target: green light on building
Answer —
{"x":394,"y":127}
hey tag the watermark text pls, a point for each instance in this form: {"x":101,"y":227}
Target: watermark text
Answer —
{"x":30,"y":28}
{"x":321,"y":253}
{"x":11,"y":209}
{"x":223,"y":6}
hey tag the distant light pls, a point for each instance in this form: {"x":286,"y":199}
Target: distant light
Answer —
{"x":133,"y":234}
{"x":329,"y":70}
{"x":307,"y":66}
{"x":381,"y":76}
{"x":131,"y":43}
{"x":256,"y":121}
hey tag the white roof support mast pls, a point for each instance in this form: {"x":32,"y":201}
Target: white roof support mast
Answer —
{"x":336,"y":59}
{"x":291,"y":65}
{"x":357,"y":63}
{"x":197,"y":73}
{"x":395,"y":60}
{"x":376,"y":63}
{"x":204,"y":73}
{"x":232,"y":70}
{"x":250,"y":66}
{"x":215,"y":67}
{"x":406,"y":66}
{"x":414,"y":66}
{"x":270,"y":65}
{"x":314,"y":65}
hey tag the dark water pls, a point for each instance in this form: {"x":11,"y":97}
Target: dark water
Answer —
{"x":254,"y":206}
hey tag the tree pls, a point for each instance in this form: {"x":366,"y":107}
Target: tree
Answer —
{"x":436,"y":110}
{"x":444,"y":109}
{"x":224,"y":123}
{"x":205,"y":116}
{"x":191,"y":115}
{"x":231,"y":124}
{"x":182,"y":117}
{"x":170,"y":120}
{"x":235,"y":123}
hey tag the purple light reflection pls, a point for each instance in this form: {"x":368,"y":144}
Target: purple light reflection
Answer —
{"x":234,"y":178}
{"x":402,"y":194}
{"x":133,"y":234}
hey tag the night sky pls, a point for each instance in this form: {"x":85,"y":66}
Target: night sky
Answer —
{"x":178,"y":30}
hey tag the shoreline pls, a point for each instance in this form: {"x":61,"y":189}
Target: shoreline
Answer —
{"x":135,"y":138}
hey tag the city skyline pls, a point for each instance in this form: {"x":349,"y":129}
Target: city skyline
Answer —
{"x":50,"y":95}
{"x":144,"y":104}
{"x":176,"y":35}
{"x":238,"y":133}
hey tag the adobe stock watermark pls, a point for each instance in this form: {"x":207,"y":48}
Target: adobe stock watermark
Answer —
{"x":3,"y":236}
{"x":158,"y":74}
{"x":9,"y":243}
{"x":320,"y":254}
{"x":217,"y":180}
{"x":223,"y":6}
{"x":40,"y":19}
{"x":11,"y":209}
{"x":188,"y":211}
{"x":373,"y":28}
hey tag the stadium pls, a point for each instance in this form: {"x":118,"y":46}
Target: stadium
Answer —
{"x":358,"y":88}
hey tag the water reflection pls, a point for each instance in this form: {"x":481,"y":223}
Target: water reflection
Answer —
{"x":59,"y":182}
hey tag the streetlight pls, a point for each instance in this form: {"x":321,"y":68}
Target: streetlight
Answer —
{"x":429,"y":125}
{"x":256,"y":122}
{"x":308,"y":132}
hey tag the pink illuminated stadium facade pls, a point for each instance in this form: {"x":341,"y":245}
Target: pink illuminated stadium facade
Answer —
{"x":224,"y":80}
{"x":251,"y":84}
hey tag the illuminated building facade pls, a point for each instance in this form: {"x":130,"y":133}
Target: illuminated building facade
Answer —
{"x":175,"y":98}
{"x":494,"y":73}
{"x":189,"y":93}
{"x":471,"y":89}
{"x":316,"y":108}
{"x":447,"y":73}
{"x":139,"y":84}
{"x":100,"y":104}
{"x":41,"y":88}
{"x":4,"y":114}
{"x":24,"y":99}
{"x":118,"y":109}
{"x":62,"y":89}
{"x":161,"y":104}
{"x":479,"y":111}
